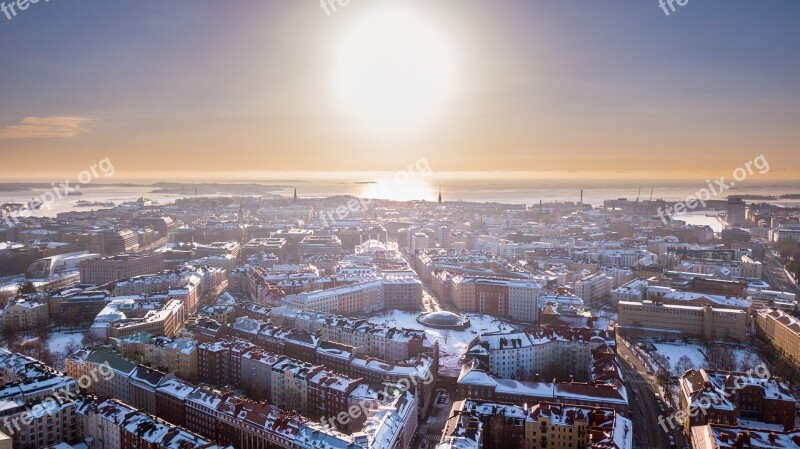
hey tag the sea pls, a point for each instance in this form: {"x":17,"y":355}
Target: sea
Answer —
{"x":418,"y":186}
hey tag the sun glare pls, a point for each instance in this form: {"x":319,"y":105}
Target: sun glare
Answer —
{"x":394,"y":70}
{"x":394,"y":190}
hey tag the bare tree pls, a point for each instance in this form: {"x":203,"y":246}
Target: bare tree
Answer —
{"x":10,"y":333}
{"x":720,"y":357}
{"x":749,"y":361}
{"x":683,"y":364}
{"x":661,"y":360}
{"x":71,"y":348}
{"x":5,"y":296}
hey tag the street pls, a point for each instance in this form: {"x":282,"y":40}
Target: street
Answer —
{"x":648,"y":434}
{"x":775,"y":275}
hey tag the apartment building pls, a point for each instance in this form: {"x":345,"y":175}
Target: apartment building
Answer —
{"x":726,"y":397}
{"x":514,"y":299}
{"x":498,"y":425}
{"x":716,"y":436}
{"x":316,"y":244}
{"x":134,"y":384}
{"x":354,"y":299}
{"x":475,"y":382}
{"x":23,"y":314}
{"x":159,"y":315}
{"x":109,"y":269}
{"x":178,"y":355}
{"x":219,"y":363}
{"x":29,"y":417}
{"x":110,"y":423}
{"x":594,"y":287}
{"x":706,"y":322}
{"x":540,"y":352}
{"x":782,"y":331}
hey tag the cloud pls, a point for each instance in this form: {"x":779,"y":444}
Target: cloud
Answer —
{"x":47,"y":127}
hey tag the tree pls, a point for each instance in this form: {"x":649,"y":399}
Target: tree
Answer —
{"x":26,"y":288}
{"x":37,"y":349}
{"x":71,"y":348}
{"x":5,"y":296}
{"x":661,"y":360}
{"x":683,"y":364}
{"x":720,"y":357}
{"x":749,"y":362}
{"x":10,"y":333}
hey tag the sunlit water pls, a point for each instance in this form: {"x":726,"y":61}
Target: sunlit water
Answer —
{"x":426,"y":187}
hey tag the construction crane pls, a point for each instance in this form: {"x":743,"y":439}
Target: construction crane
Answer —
{"x":637,"y":195}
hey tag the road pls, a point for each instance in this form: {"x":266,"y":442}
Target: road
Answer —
{"x":644,"y":408}
{"x":210,"y":298}
{"x":775,"y":275}
{"x":429,"y":432}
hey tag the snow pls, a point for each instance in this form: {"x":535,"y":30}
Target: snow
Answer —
{"x":59,"y":341}
{"x":674,"y":351}
{"x":457,"y":341}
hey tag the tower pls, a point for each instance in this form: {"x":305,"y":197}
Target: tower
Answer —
{"x":440,"y":194}
{"x":295,"y":194}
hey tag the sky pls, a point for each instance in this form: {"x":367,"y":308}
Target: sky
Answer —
{"x":226,"y":90}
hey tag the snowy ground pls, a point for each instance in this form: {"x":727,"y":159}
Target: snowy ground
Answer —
{"x":674,"y":351}
{"x":58,"y":341}
{"x":451,"y":343}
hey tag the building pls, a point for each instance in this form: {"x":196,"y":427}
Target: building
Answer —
{"x":725,"y":397}
{"x":109,"y":269}
{"x":498,"y":425}
{"x":110,"y":423}
{"x":25,"y":314}
{"x":539,"y":353}
{"x":177,"y":355}
{"x":594,"y":287}
{"x":782,"y":331}
{"x":736,"y":211}
{"x":315,"y":244}
{"x":715,"y":436}
{"x":132,"y":315}
{"x":355,"y":299}
{"x":475,"y":383}
{"x":706,"y":322}
{"x":514,"y":299}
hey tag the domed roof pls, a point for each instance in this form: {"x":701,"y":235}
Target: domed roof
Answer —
{"x":442,"y":318}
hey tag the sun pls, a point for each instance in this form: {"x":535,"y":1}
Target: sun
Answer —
{"x":394,"y":70}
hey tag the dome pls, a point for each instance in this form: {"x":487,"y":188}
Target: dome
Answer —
{"x":444,"y":319}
